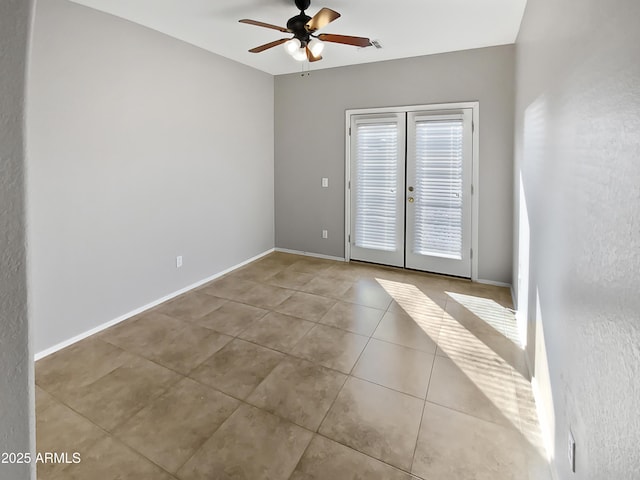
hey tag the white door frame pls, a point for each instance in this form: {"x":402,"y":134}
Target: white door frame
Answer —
{"x":475,"y":162}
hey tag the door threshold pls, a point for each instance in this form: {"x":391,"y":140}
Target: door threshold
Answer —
{"x":405,"y":269}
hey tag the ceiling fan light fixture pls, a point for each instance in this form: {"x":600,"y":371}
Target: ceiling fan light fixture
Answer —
{"x":307,"y":43}
{"x":300,"y":55}
{"x":292,"y":46}
{"x":316,"y":46}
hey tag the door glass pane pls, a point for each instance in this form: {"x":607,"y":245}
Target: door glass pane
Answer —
{"x":376,"y":179}
{"x":438,"y":199}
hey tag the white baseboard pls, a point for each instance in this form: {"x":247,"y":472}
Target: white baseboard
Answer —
{"x":137,"y":311}
{"x":310,"y":254}
{"x":495,"y":284}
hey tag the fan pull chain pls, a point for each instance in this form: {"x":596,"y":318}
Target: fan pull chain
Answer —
{"x":302,"y":72}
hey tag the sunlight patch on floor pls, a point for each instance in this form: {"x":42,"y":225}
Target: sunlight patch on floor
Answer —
{"x":484,"y":368}
{"x":492,"y":313}
{"x":423,"y":310}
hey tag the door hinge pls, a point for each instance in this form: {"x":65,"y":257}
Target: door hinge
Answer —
{"x":471,"y":252}
{"x":473,"y":127}
{"x":471,"y":189}
{"x":349,"y":131}
{"x":349,"y":185}
{"x":349,"y":238}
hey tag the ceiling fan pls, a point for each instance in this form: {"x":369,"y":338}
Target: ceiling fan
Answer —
{"x":305,"y":44}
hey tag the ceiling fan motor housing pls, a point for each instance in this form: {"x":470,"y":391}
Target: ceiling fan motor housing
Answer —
{"x":303,"y":4}
{"x":297,"y":26}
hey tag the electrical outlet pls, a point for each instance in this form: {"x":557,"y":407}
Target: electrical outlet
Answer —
{"x":179,"y":261}
{"x":571,"y":453}
{"x":325,"y":234}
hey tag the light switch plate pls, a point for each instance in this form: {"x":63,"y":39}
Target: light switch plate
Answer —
{"x":325,"y":182}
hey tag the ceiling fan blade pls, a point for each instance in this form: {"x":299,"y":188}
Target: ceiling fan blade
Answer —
{"x":269,"y":45}
{"x":265,"y":25}
{"x":346,"y":39}
{"x":322,"y":18}
{"x":311,"y":57}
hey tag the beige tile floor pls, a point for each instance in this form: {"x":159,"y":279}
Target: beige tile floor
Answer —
{"x":299,"y":368}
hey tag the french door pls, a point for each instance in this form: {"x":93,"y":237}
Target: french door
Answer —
{"x":410,"y":189}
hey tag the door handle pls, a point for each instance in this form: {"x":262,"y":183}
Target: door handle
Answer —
{"x":410,"y":189}
{"x":410,"y":199}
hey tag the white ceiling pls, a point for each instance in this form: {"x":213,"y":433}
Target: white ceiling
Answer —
{"x":405,"y":28}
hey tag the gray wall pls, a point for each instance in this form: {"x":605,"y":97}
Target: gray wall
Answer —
{"x":141,"y":148}
{"x":16,"y":363}
{"x":309,"y":142}
{"x":578,"y":153}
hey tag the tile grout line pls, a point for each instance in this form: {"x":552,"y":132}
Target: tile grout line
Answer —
{"x":388,"y":388}
{"x":162,"y":392}
{"x":112,"y":434}
{"x":126,"y":445}
{"x":369,"y":456}
{"x":153,"y":399}
{"x":470,"y":415}
{"x":324,"y":417}
{"x":424,"y":404}
{"x":347,"y":376}
{"x":295,"y":467}
{"x":366,"y":455}
{"x":196,"y":450}
{"x":317,"y":430}
{"x":389,"y":342}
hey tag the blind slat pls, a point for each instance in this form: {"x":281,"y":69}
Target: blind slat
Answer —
{"x":376,"y":205}
{"x":438,"y":200}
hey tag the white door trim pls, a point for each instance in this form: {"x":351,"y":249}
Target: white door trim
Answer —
{"x":475,"y":162}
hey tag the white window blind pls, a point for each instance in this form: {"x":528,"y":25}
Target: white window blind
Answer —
{"x":376,"y":176}
{"x":438,"y":206}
